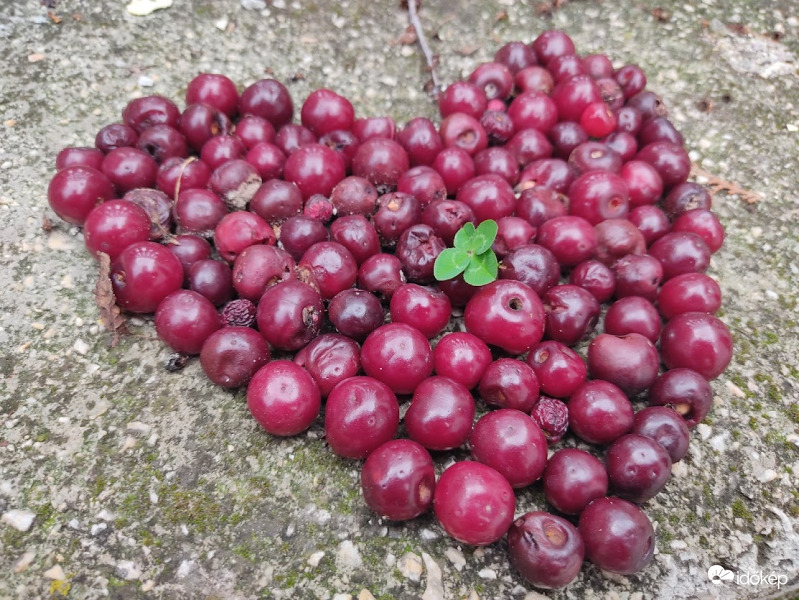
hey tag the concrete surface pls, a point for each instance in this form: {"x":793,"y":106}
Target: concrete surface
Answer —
{"x":145,"y":484}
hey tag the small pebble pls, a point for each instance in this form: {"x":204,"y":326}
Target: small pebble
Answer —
{"x":314,"y":558}
{"x":55,"y":572}
{"x":410,"y":565}
{"x":704,"y":430}
{"x":435,"y":585}
{"x":127,"y":570}
{"x":365,"y":595}
{"x":23,"y":562}
{"x":487,"y":573}
{"x":456,"y":557}
{"x":347,"y":555}
{"x":21,"y":520}
{"x":80,"y":347}
{"x":184,"y":569}
{"x":142,"y":8}
{"x":767,"y":475}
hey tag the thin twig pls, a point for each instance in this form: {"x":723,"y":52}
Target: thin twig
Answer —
{"x":717,"y":184}
{"x":430,"y":58}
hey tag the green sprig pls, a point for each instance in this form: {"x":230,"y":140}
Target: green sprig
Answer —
{"x":471,"y":255}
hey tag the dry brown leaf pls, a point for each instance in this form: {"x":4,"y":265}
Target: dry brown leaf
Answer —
{"x":501,"y":16}
{"x":468,"y":50}
{"x":47,"y":223}
{"x":706,"y":105}
{"x":407,"y":37}
{"x":738,"y":28}
{"x":661,"y":14}
{"x":110,"y":313}
{"x":54,"y":17}
{"x":717,"y":184}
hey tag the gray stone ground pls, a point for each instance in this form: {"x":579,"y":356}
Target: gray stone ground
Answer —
{"x":146,"y":484}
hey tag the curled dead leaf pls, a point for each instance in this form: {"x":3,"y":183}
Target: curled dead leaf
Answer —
{"x":110,"y":313}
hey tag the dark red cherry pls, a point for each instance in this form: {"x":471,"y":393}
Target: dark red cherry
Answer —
{"x":689,"y":292}
{"x":77,"y":156}
{"x":325,"y":111}
{"x":113,"y":226}
{"x":618,"y":536}
{"x":421,"y":140}
{"x":596,"y":277}
{"x":261,"y":266}
{"x":162,"y":142}
{"x":213,"y":279}
{"x":697,"y":341}
{"x":427,"y":309}
{"x":516,"y":56}
{"x":546,"y":549}
{"x":74,"y":191}
{"x":398,"y":480}
{"x":507,"y":314}
{"x":570,"y":238}
{"x":509,"y":383}
{"x":532,"y":265}
{"x":184,"y":320}
{"x":115,"y":135}
{"x":633,"y":314}
{"x":684,"y":390}
{"x":509,"y":441}
{"x":330,"y":358}
{"x":681,"y":252}
{"x":558,"y":369}
{"x":198,"y":211}
{"x":441,"y":413}
{"x":299,"y":233}
{"x":381,"y":274}
{"x":355,"y":313}
{"x":268,"y":99}
{"x":638,"y":467}
{"x":315,"y":168}
{"x":277,"y":200}
{"x":283,"y":398}
{"x":464,"y":97}
{"x":461,"y":356}
{"x":176,"y":174}
{"x":600,"y":412}
{"x":473,"y":503}
{"x":571,"y":313}
{"x":143,"y":275}
{"x":361,"y":414}
{"x":664,"y":425}
{"x":381,"y":161}
{"x":290,"y":315}
{"x":239,"y":230}
{"x":463,"y":131}
{"x":232,"y":355}
{"x":572,"y":479}
{"x":143,"y":113}
{"x":630,"y":361}
{"x":398,"y":355}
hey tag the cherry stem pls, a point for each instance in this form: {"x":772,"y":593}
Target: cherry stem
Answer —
{"x":430,"y":58}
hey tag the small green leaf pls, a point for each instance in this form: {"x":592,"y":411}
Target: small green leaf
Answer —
{"x":450,"y":263}
{"x":464,"y":239}
{"x":482,"y":269}
{"x":484,"y":236}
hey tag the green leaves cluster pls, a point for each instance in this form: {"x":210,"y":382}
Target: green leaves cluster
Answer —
{"x":471,"y":255}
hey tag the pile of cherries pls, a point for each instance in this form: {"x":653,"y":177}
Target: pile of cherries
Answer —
{"x":297,"y":259}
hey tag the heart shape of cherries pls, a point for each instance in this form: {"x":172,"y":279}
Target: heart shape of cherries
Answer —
{"x":302,"y":260}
